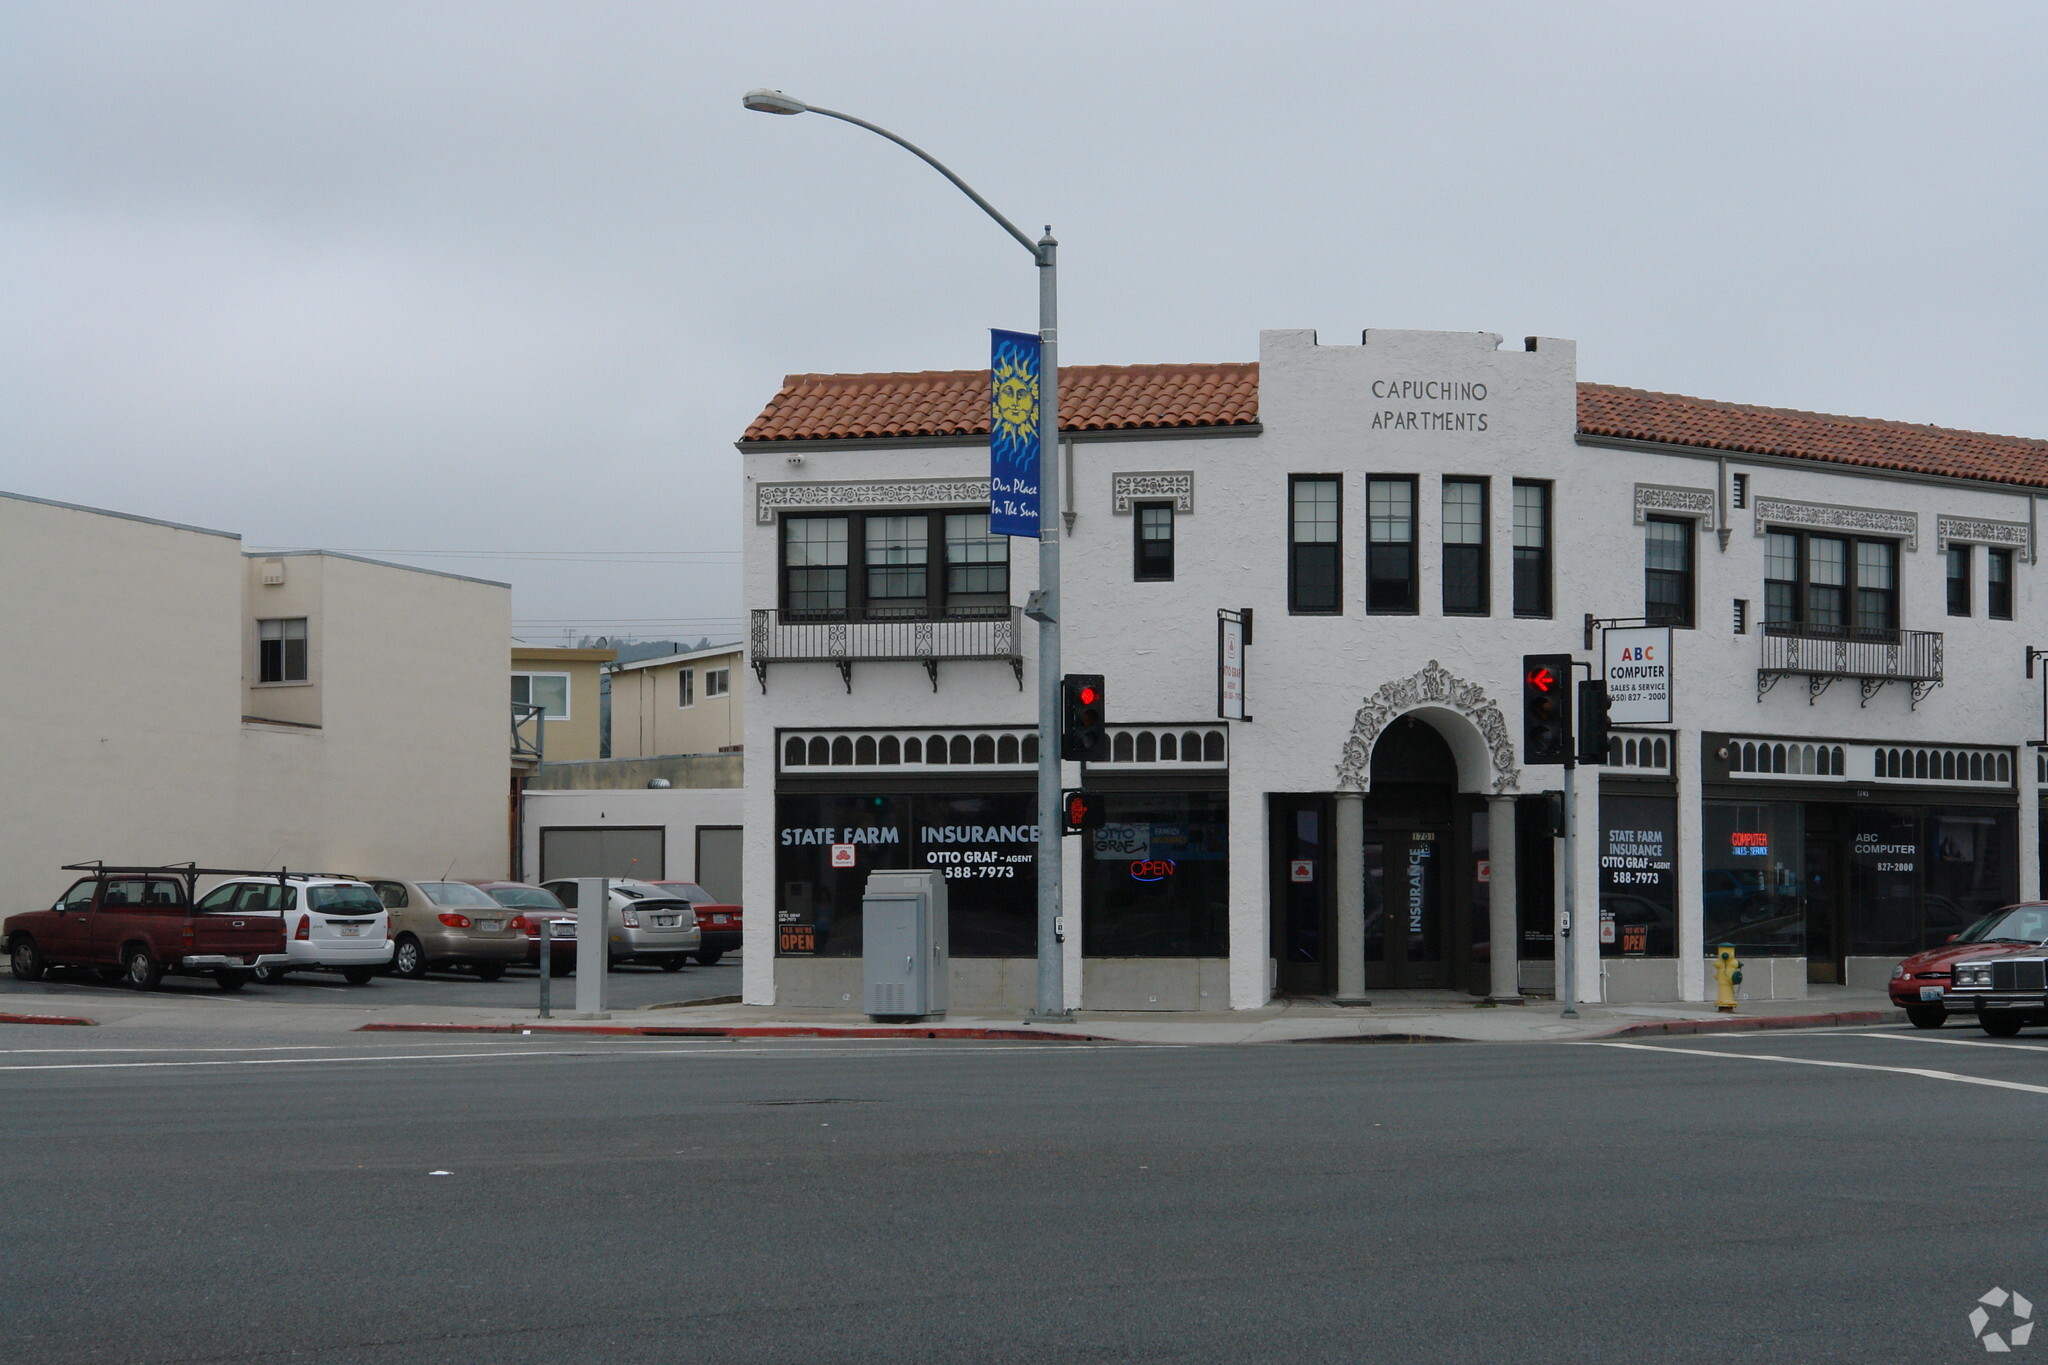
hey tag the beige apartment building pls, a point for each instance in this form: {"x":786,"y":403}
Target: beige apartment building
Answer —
{"x":679,"y":704}
{"x":186,"y":700}
{"x":564,"y":683}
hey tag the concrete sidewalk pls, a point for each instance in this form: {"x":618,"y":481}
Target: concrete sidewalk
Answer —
{"x":1395,"y":1017}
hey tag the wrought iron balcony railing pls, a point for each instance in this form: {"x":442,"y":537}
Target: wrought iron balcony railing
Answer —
{"x":988,"y":634}
{"x":1823,"y":654}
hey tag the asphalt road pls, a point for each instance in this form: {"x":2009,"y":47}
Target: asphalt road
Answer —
{"x":1787,"y":1197}
{"x":631,"y":987}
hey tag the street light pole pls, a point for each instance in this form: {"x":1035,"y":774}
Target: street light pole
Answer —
{"x":1045,"y":610}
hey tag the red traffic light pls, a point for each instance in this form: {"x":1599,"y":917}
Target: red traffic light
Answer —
{"x":1088,"y":696}
{"x":1542,"y":679}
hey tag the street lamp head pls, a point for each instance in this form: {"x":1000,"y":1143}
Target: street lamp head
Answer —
{"x":773,"y":102}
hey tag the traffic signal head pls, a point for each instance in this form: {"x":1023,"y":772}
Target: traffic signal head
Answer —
{"x":1594,"y":705}
{"x":1084,"y":735}
{"x":1546,"y":708}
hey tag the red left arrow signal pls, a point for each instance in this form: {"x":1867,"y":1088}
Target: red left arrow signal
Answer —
{"x":1542,"y":679}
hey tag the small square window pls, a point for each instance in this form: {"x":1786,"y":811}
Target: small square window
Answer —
{"x":717,"y":681}
{"x":281,"y":650}
{"x":548,"y":691}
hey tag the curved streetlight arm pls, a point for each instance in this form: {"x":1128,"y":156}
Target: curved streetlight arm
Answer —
{"x":935,"y":164}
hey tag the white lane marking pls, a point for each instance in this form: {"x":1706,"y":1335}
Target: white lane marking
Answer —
{"x":508,"y":1054}
{"x":283,"y":1047}
{"x":1922,"y":1072}
{"x":1956,"y":1042}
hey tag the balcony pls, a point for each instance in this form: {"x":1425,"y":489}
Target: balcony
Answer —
{"x":990,"y":635}
{"x":529,"y":734}
{"x":1822,"y":655}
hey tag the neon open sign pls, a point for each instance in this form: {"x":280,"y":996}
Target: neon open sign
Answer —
{"x":1152,"y":870}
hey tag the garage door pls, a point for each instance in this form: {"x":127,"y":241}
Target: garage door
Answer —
{"x":601,"y":851}
{"x":718,"y":861}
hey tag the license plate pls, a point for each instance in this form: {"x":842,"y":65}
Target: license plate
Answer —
{"x":721,"y":919}
{"x":1930,"y":992}
{"x":489,"y":924}
{"x":350,"y":930}
{"x":664,"y":921}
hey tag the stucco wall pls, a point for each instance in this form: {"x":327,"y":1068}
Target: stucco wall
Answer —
{"x":648,"y":717}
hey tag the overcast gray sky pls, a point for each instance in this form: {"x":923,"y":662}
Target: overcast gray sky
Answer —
{"x":495,"y":276}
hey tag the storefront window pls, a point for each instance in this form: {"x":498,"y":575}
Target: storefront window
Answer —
{"x":1970,"y":870}
{"x":986,"y":844}
{"x":1156,"y":880}
{"x":1751,"y":870}
{"x":1884,"y":868}
{"x":1638,"y":885}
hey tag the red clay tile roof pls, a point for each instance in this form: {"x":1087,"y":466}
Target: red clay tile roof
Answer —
{"x":1673,"y":419}
{"x":823,"y":407}
{"x":819,"y":407}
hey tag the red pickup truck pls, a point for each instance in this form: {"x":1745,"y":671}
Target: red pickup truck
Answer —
{"x":136,"y":923}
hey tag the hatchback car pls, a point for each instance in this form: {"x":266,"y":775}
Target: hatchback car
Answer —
{"x":648,"y":924}
{"x":533,"y":907}
{"x":447,"y":924}
{"x":330,"y":923}
{"x":717,"y":922}
{"x":1921,"y":984}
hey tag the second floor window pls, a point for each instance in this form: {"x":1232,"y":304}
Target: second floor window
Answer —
{"x":717,"y":682}
{"x":281,"y":650}
{"x":1830,"y":585}
{"x":1958,"y":580}
{"x":883,"y":565}
{"x":548,"y":691}
{"x":1532,"y":548}
{"x":1390,"y":546}
{"x":1314,"y":545}
{"x":1667,"y":572}
{"x":686,"y":687}
{"x":1998,"y":584}
{"x":1465,"y":570}
{"x":1153,"y":527}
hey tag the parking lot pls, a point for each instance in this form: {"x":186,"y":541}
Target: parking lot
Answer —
{"x":631,"y":987}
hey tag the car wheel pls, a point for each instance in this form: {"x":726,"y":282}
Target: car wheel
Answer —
{"x":490,"y":971}
{"x":2000,"y":1025}
{"x":230,"y":980}
{"x":27,"y":960}
{"x":358,"y":976}
{"x":1926,"y":1016}
{"x":710,"y":959}
{"x":408,"y":959}
{"x":142,"y":971}
{"x":673,"y":964}
{"x":270,"y":976}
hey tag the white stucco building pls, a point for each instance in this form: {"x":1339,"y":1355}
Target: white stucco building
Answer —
{"x":173,"y":698}
{"x":1845,"y":780}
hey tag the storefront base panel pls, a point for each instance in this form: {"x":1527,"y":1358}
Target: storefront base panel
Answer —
{"x":1538,"y":977}
{"x":818,"y":982}
{"x":1640,"y":980}
{"x":1155,"y":983}
{"x":975,"y":983}
{"x":1768,"y":978}
{"x":1868,"y":973}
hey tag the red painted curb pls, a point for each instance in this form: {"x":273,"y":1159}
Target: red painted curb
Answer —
{"x":47,"y":1019}
{"x":1758,"y":1023}
{"x":744,"y":1031}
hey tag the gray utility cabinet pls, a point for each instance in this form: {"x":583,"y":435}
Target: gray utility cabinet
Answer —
{"x":905,"y":949}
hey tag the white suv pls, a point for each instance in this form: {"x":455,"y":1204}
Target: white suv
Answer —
{"x":330,"y":923}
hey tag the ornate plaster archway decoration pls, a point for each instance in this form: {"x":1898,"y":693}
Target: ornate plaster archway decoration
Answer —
{"x":1434,"y":687}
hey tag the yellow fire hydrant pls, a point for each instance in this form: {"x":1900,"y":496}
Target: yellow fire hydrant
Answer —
{"x":1728,"y":972}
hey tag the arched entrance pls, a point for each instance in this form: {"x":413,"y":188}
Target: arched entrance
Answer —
{"x":1412,"y":848}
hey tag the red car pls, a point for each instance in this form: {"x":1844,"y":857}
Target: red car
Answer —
{"x":535,"y":904}
{"x":718,"y":924}
{"x":1920,"y":984}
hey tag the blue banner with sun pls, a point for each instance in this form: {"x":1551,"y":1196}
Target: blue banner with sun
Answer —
{"x":1013,"y":434}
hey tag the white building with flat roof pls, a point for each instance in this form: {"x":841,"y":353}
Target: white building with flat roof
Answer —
{"x":1844,"y":778}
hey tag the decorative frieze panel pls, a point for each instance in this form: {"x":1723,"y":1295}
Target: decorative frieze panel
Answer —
{"x":1656,"y":499}
{"x":1950,"y":530}
{"x":1433,"y":686}
{"x":1125,"y":489}
{"x":1828,"y":516}
{"x":770,"y":498}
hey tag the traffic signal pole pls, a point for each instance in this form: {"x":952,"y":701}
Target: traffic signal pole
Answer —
{"x":1568,"y":967}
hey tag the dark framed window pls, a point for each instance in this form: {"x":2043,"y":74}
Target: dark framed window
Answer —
{"x":1155,"y":878}
{"x":1315,"y":542}
{"x":1958,"y":580}
{"x":1465,"y":544}
{"x":1998,"y":584}
{"x":1152,"y":548}
{"x":1830,"y":585}
{"x":281,"y":650}
{"x":1532,"y":548}
{"x":1390,"y":546}
{"x":881,"y":566}
{"x":1668,"y":571}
